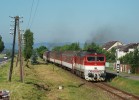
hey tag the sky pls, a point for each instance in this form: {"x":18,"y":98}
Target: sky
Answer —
{"x":99,"y":21}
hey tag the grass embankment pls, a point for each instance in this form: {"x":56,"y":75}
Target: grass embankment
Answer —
{"x":18,"y":90}
{"x":125,"y":84}
{"x":131,"y":86}
{"x":2,"y":55}
{"x":41,"y":82}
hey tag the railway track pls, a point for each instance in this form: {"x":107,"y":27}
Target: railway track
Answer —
{"x":119,"y":93}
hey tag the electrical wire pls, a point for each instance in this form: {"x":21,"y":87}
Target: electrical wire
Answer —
{"x":30,"y":13}
{"x":34,"y":14}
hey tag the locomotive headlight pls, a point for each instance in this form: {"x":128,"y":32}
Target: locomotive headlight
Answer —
{"x":90,"y":75}
{"x":89,"y":71}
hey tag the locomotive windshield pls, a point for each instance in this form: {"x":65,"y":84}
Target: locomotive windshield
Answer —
{"x":91,"y":58}
{"x":100,"y":58}
{"x":95,"y":58}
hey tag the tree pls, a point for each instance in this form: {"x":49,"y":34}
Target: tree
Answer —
{"x":72,"y":46}
{"x":135,"y":60}
{"x":132,"y":59}
{"x":34,"y":57}
{"x":41,"y":50}
{"x":1,"y":45}
{"x":28,"y":46}
{"x":112,"y":55}
{"x":57,"y":48}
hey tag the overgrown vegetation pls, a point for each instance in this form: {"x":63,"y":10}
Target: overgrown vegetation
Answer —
{"x":132,"y":59}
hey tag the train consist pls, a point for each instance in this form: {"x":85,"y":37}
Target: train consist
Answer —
{"x":90,"y":66}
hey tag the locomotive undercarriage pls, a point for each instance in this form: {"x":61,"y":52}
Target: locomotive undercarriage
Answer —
{"x":95,"y":76}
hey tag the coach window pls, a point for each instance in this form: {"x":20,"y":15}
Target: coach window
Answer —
{"x":91,"y":58}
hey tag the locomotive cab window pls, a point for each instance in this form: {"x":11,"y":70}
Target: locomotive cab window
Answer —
{"x":100,"y":58}
{"x":90,"y":58}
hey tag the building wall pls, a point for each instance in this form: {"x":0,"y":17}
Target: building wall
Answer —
{"x":131,"y":50}
{"x":120,"y":53}
{"x":125,"y":68}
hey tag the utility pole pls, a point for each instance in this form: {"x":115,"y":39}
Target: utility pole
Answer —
{"x":19,"y":49}
{"x":13,"y":48}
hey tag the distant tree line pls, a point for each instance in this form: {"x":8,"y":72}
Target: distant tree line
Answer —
{"x":41,"y":50}
{"x":72,"y":47}
{"x":1,"y":44}
{"x":91,"y":47}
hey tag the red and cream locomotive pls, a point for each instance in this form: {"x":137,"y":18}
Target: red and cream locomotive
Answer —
{"x":90,"y":66}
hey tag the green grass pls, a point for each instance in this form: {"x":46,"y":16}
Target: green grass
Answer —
{"x":41,"y":82}
{"x":18,"y":90}
{"x":131,"y":86}
{"x":110,"y":68}
{"x":2,"y":55}
{"x":3,"y":72}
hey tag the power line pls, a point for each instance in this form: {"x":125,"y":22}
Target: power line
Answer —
{"x":30,"y":13}
{"x":34,"y":14}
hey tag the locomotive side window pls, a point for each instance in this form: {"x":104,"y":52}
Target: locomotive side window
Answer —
{"x":100,"y":58}
{"x":91,"y":58}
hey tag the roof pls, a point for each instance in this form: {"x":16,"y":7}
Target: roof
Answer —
{"x":129,"y":46}
{"x":109,"y":44}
